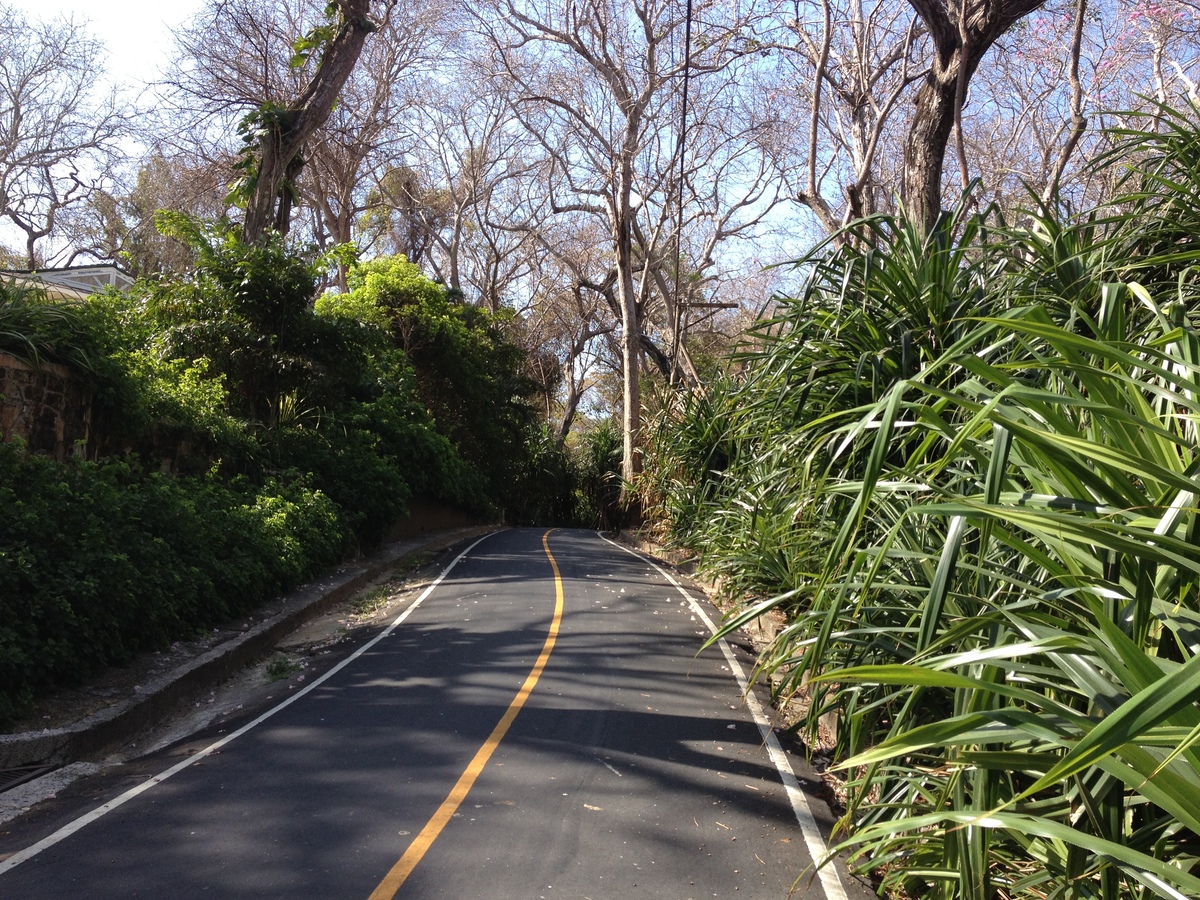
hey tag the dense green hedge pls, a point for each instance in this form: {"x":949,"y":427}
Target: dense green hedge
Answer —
{"x":99,"y":561}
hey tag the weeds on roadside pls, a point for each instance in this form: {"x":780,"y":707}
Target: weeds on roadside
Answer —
{"x":280,"y":667}
{"x":372,"y":601}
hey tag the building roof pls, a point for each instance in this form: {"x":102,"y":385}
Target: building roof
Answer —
{"x":75,"y":282}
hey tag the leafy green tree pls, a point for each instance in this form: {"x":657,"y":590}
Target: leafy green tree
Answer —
{"x":469,"y":375}
{"x":309,"y":387}
{"x":60,"y":135}
{"x":247,"y":308}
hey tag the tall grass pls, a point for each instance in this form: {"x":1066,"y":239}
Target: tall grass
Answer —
{"x":964,"y":465}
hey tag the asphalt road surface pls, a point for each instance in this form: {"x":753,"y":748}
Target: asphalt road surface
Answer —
{"x":540,"y":724}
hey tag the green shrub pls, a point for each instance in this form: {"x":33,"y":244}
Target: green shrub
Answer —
{"x":542,"y":483}
{"x":596,"y":460}
{"x":275,"y":439}
{"x":963,"y":464}
{"x":99,"y":561}
{"x":354,"y":470}
{"x":467,"y":374}
{"x":37,"y":330}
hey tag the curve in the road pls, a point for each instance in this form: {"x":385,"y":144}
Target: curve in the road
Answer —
{"x":635,"y":768}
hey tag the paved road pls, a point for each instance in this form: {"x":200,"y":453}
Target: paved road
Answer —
{"x":519,"y":735}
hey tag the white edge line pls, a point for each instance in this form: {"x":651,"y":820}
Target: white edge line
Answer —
{"x":817,"y":848}
{"x":83,"y":821}
{"x":609,"y":767}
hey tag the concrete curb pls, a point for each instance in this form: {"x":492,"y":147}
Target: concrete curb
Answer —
{"x":158,"y":699}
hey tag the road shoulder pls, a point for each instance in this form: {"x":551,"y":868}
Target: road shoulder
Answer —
{"x":201,"y":685}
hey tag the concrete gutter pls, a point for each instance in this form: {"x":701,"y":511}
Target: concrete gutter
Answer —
{"x":158,"y":699}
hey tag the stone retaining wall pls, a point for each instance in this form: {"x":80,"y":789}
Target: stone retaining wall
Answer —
{"x":45,"y":407}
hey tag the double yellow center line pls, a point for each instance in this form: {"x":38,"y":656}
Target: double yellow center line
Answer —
{"x":399,"y":873}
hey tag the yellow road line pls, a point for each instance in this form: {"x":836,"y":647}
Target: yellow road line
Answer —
{"x":423,"y":841}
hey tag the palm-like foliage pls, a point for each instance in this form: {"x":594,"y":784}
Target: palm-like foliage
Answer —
{"x":36,"y":330}
{"x":967,"y":470}
{"x":995,"y":645}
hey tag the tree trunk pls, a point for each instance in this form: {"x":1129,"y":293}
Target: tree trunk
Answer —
{"x":962,"y":32}
{"x":286,"y":132}
{"x":925,"y":149}
{"x":631,"y":415}
{"x":570,"y":407}
{"x":670,"y":368}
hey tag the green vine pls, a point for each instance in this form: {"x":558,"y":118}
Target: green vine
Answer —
{"x":269,"y":118}
{"x":318,"y":37}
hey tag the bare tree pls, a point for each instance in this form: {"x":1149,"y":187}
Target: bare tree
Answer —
{"x":1016,"y":93}
{"x":961,"y":32}
{"x":466,"y":202}
{"x":570,"y":307}
{"x":1026,"y":118}
{"x":236,"y":61}
{"x":59,"y":135}
{"x":732,"y":176}
{"x":120,"y":224}
{"x":842,"y":70}
{"x":1078,"y":122}
{"x":1044,"y":98}
{"x":598,"y":85}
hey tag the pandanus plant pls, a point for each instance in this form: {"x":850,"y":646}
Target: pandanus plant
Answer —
{"x":965,"y":466}
{"x":36,"y":330}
